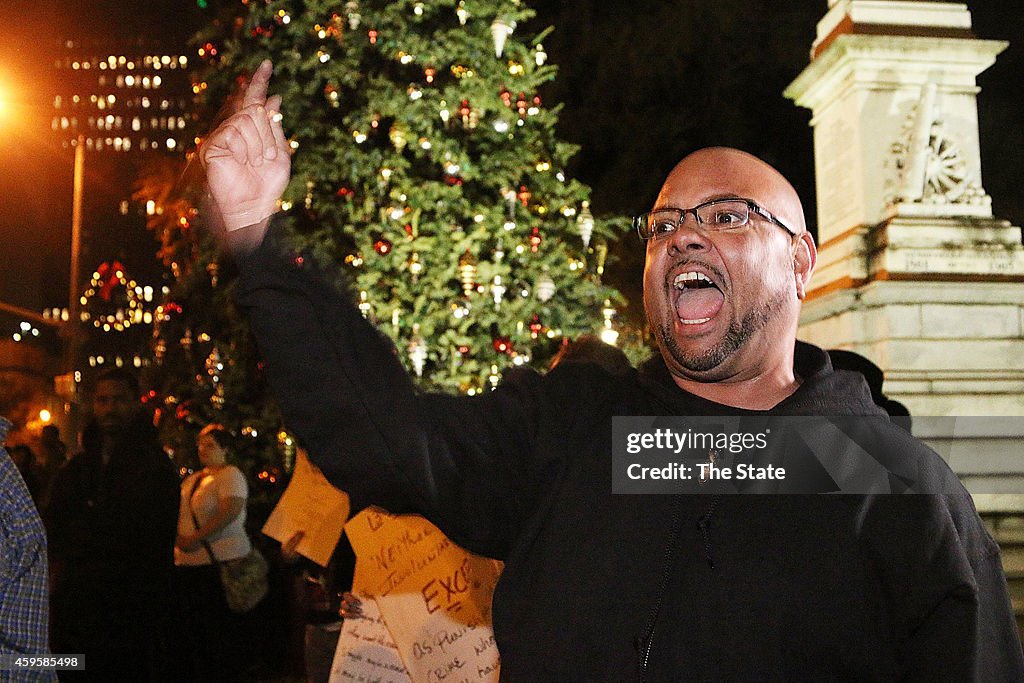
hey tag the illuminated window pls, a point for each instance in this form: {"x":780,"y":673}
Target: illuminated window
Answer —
{"x":129,"y":80}
{"x":136,"y":124}
{"x":124,"y":207}
{"x":57,"y":101}
{"x":157,"y":81}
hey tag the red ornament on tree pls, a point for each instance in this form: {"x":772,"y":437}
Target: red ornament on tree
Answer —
{"x":382,"y":246}
{"x":521,"y":104}
{"x":503,"y":345}
{"x":346,"y":193}
{"x":535,"y":326}
{"x":535,"y":239}
{"x":524,"y":195}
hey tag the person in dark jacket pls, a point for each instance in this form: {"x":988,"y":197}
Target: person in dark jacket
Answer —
{"x":613,"y":587}
{"x":111,"y":522}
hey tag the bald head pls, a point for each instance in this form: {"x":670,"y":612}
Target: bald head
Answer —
{"x":724,"y":302}
{"x":722,"y":172}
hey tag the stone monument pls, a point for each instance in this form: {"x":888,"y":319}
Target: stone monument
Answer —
{"x":914,"y":271}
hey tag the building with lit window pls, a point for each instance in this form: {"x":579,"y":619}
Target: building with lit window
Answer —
{"x":126,"y":100}
{"x":128,"y":103}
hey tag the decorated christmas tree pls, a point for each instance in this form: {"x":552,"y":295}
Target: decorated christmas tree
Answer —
{"x":426,"y":173}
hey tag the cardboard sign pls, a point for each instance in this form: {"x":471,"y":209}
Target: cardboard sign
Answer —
{"x":434,"y":597}
{"x":366,"y":652}
{"x":312,"y":505}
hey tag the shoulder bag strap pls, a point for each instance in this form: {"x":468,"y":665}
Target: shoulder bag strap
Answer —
{"x":195,"y":520}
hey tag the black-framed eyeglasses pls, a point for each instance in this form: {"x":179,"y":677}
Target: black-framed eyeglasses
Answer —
{"x":717,"y":215}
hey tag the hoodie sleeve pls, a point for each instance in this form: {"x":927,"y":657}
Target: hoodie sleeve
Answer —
{"x":462,"y":462}
{"x":952,"y":616}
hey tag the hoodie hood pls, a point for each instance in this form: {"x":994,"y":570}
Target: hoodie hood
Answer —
{"x":823,"y":391}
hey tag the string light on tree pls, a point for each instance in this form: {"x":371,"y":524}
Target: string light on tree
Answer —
{"x":467,"y":272}
{"x":498,"y":292}
{"x":609,"y":335}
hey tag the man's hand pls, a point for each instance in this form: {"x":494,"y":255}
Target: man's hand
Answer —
{"x":247,"y":164}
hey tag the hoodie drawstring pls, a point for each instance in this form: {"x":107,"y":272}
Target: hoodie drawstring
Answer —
{"x":703,"y":523}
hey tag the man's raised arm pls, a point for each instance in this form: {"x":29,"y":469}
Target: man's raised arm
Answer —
{"x":463,"y":463}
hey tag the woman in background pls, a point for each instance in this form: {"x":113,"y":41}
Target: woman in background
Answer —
{"x":211,"y":529}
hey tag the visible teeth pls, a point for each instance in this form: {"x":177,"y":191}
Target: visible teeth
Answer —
{"x":690,"y":276}
{"x":694,"y":322}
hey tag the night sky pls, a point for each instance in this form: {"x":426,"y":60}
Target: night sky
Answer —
{"x":643,"y":83}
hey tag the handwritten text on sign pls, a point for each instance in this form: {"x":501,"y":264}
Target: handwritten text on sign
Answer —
{"x":434,"y":596}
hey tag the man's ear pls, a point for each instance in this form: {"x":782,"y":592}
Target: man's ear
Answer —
{"x":805,"y":255}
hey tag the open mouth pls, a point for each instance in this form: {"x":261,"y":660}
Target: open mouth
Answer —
{"x":697,"y":298}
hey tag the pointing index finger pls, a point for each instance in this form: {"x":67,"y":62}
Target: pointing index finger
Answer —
{"x":256,"y":92}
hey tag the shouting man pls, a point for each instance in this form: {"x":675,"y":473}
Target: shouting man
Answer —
{"x":607,"y":587}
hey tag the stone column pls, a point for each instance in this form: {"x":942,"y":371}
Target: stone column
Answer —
{"x":914,"y":271}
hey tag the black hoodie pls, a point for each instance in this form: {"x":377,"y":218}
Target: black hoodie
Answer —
{"x":614,"y":587}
